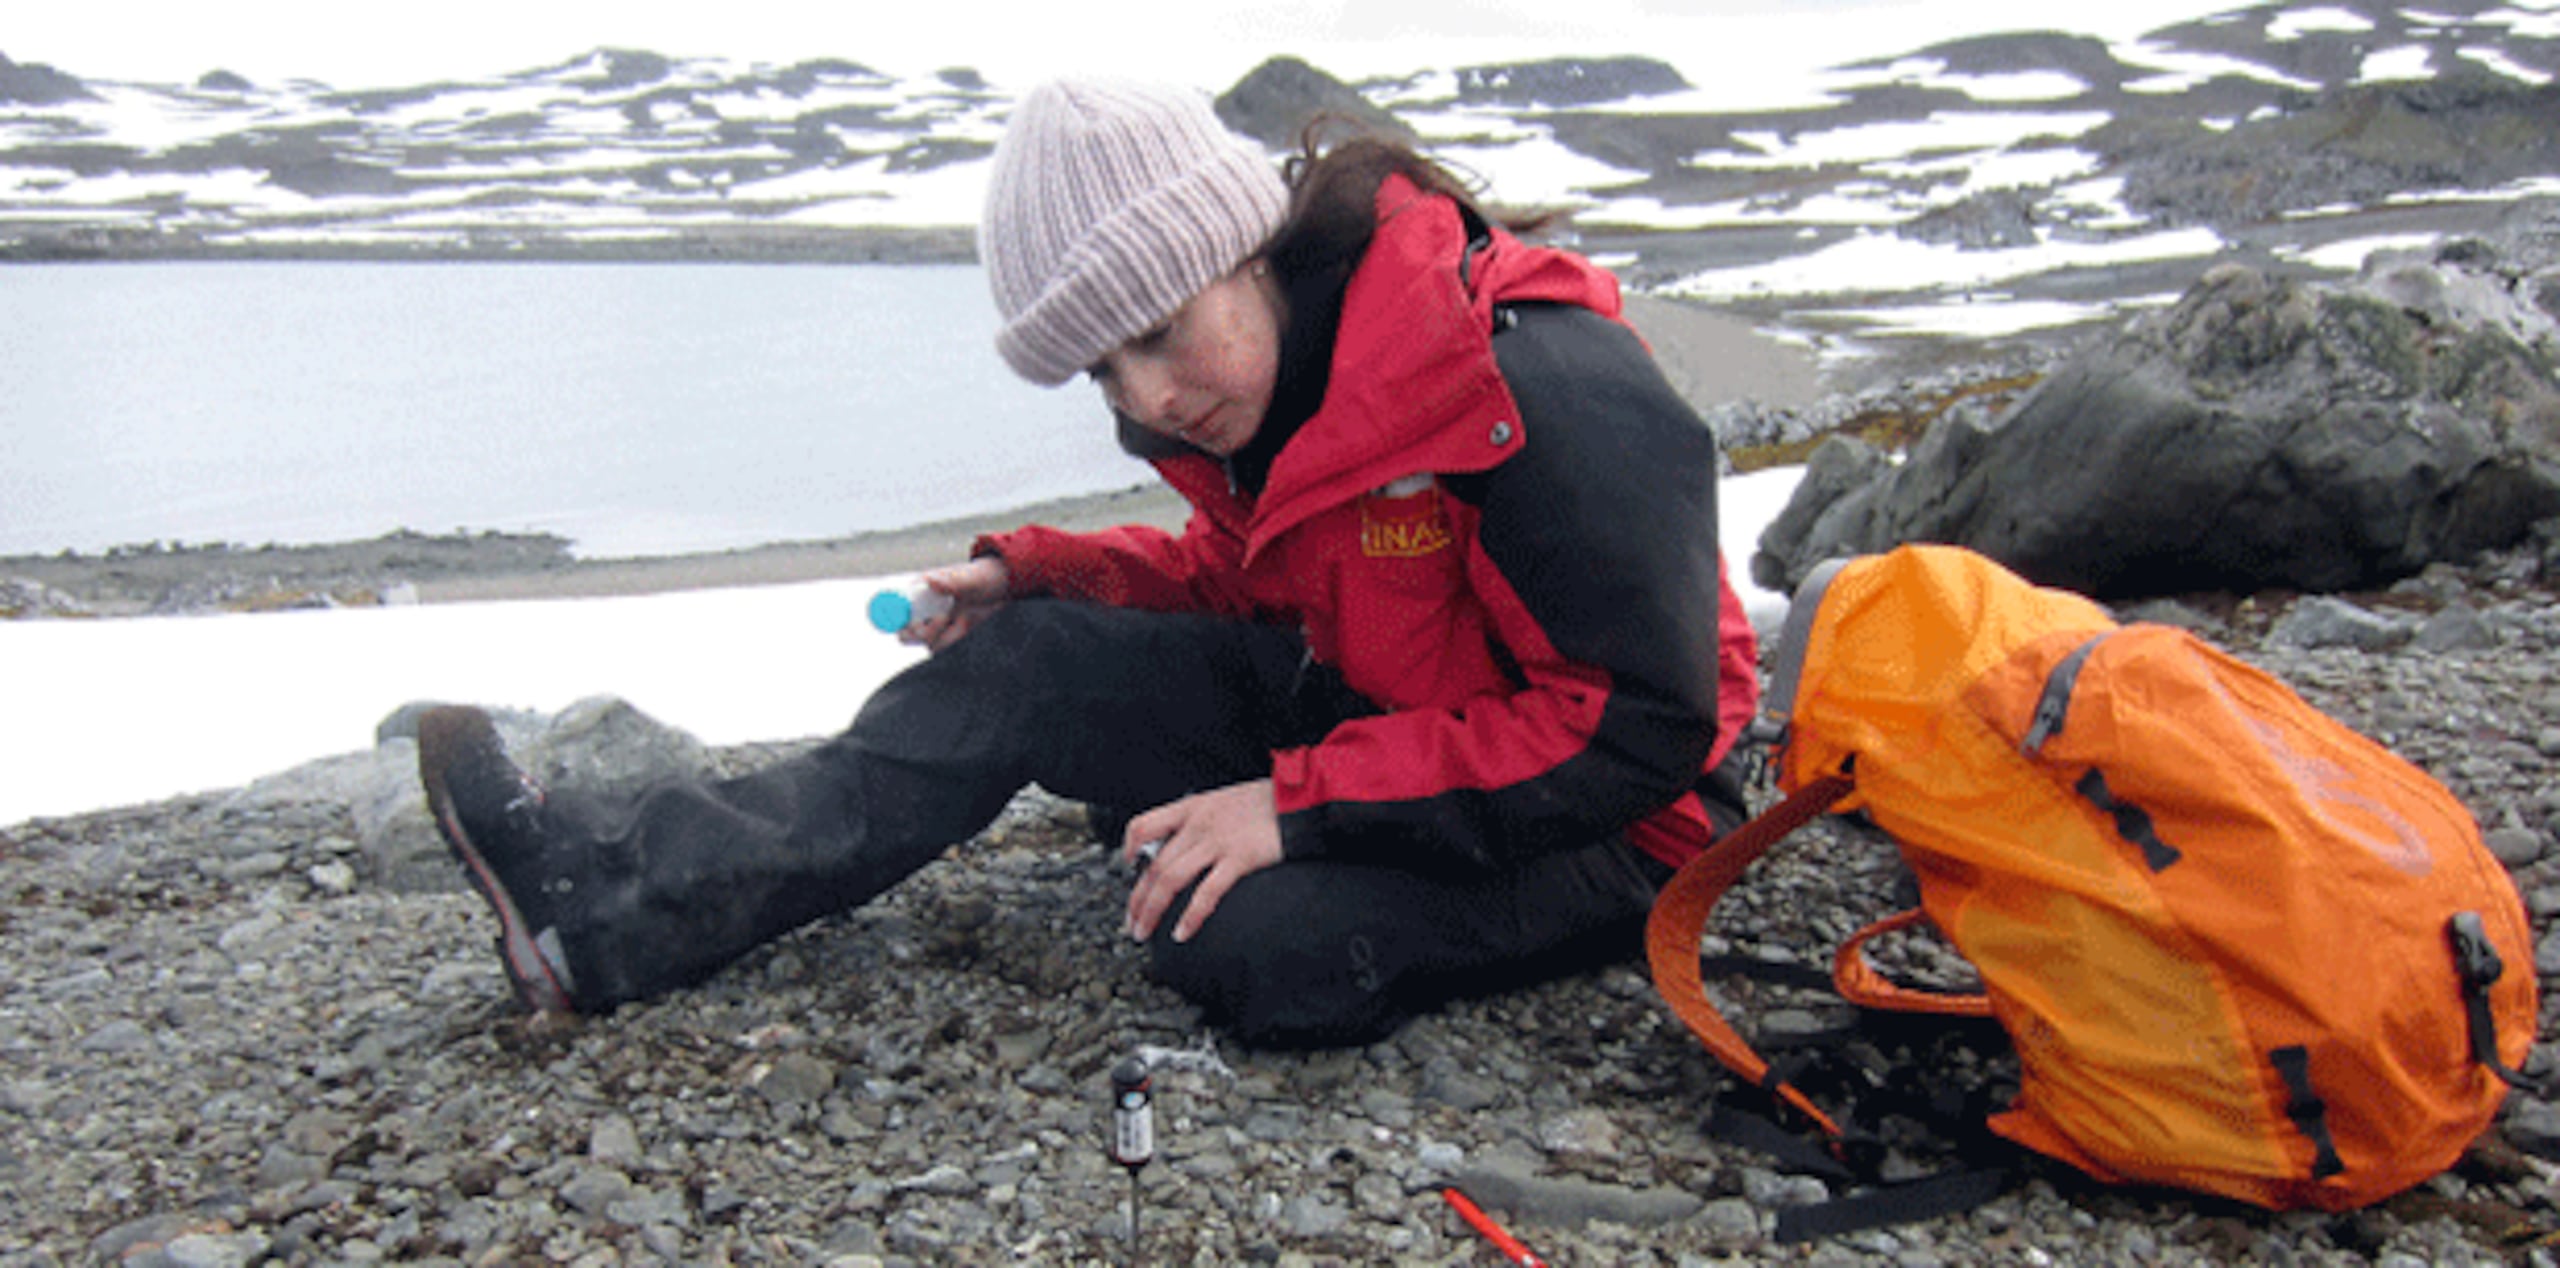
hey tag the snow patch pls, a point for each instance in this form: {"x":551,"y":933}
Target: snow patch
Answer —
{"x":2293,"y":24}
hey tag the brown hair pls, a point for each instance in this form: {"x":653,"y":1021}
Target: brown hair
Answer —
{"x":1333,"y":192}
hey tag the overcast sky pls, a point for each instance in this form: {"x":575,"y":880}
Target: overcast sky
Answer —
{"x":1208,"y":43}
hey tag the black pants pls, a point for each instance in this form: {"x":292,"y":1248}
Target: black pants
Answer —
{"x":1130,"y":710}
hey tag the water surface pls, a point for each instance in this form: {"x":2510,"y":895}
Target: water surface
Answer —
{"x":632,"y":408}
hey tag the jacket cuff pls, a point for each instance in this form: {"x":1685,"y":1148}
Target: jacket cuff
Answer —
{"x":994,"y":544}
{"x":1301,"y":819}
{"x":1019,"y":565}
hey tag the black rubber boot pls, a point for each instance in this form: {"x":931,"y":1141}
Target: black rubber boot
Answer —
{"x":602,"y":902}
{"x":490,"y":814}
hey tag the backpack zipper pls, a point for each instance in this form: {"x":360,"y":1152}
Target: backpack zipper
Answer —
{"x":2054,"y":703}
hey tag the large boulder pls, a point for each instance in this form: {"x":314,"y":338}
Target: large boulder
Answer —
{"x":602,"y":743}
{"x":2260,"y":433}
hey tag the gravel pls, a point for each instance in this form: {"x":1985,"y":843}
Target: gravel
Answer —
{"x":222,"y":1043}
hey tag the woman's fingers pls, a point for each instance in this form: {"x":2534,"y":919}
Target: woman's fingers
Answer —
{"x":977,"y":588}
{"x":1204,"y":900}
{"x":1166,"y":874}
{"x":1214,"y":838}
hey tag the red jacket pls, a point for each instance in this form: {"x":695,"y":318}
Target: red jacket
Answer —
{"x":1500,"y":528}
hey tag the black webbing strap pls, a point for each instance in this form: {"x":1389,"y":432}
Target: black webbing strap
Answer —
{"x":1926,"y":1198}
{"x":2309,"y":1113}
{"x":2480,"y":967}
{"x":1791,"y":1150}
{"x":2132,"y":821}
{"x":1987,"y":1165}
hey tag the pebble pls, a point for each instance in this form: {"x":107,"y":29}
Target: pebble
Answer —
{"x":116,"y":1038}
{"x":614,"y":1142}
{"x":795,"y":1079}
{"x":2322,"y":621}
{"x":207,"y":1250}
{"x":1732,"y":1223}
{"x":595,"y":1190}
{"x":2518,"y":847}
{"x":1311,"y":1217}
{"x":1588,"y":1133}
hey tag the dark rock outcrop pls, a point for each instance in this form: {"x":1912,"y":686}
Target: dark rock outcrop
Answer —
{"x":2468,"y":129}
{"x":1990,"y":221}
{"x":2260,"y":434}
{"x":2083,"y":57}
{"x":1568,"y":81}
{"x":801,"y":78}
{"x":317,"y":160}
{"x":624,"y":68}
{"x":36,"y":84}
{"x":1276,"y":101}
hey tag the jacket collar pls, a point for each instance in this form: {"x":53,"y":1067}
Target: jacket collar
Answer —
{"x":1413,"y":386}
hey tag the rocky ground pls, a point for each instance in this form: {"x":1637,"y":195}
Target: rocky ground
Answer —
{"x":221,"y":1041}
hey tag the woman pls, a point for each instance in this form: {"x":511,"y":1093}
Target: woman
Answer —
{"x":1430,"y":695}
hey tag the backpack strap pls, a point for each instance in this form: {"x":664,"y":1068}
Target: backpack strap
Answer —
{"x":1671,"y":942}
{"x":2477,"y":961}
{"x":1679,"y":920}
{"x":1859,"y":983}
{"x":1948,"y":1193}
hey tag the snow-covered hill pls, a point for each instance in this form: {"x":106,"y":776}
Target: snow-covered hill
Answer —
{"x":1987,"y":185}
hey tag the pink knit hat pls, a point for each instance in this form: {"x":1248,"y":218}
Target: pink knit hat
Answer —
{"x":1110,"y":205}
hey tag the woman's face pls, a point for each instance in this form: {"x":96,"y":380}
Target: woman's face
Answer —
{"x":1205,"y":374}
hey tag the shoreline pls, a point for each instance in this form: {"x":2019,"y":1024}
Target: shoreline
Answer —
{"x":871,"y":554}
{"x":404,"y":566}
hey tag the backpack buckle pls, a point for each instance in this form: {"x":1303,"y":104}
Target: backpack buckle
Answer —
{"x":2478,"y":963}
{"x":2473,"y":955}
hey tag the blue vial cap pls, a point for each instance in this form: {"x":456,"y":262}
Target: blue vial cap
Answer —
{"x":890,"y":611}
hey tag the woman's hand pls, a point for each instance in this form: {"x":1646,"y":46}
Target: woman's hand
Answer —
{"x":977,"y":588}
{"x":1217,"y":838}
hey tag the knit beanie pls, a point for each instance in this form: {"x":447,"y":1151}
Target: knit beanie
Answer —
{"x":1110,"y":205}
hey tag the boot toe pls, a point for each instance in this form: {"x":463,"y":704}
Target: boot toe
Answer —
{"x":488,"y":812}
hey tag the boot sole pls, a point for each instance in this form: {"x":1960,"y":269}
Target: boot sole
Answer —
{"x":536,"y":985}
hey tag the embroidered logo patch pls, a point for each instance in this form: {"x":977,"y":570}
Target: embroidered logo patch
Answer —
{"x":1404,"y":520}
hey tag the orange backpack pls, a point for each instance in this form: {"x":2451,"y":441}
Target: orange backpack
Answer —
{"x":2237,"y":947}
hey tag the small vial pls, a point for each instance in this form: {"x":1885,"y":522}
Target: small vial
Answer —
{"x":1133,"y":1120}
{"x":895,"y":610}
{"x":1133,"y":1129}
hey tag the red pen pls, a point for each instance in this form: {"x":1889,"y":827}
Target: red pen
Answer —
{"x":1502,"y":1240}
